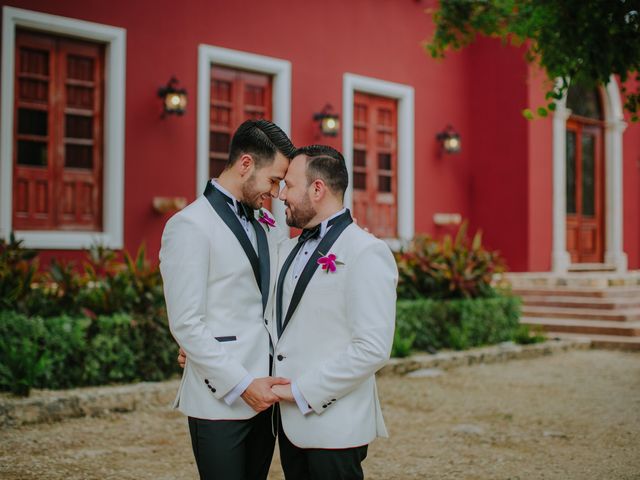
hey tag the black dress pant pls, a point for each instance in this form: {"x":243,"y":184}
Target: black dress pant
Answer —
{"x":320,"y":464}
{"x":233,"y":449}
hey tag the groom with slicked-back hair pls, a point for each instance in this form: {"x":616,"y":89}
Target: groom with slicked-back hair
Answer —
{"x":218,"y":263}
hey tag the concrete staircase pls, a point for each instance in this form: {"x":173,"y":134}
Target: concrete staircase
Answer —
{"x":602,"y":306}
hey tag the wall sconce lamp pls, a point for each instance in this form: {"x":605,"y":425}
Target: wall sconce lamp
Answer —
{"x":449,"y":140}
{"x":168,"y":204}
{"x":329,"y":122}
{"x":174,"y":98}
{"x":444,"y":219}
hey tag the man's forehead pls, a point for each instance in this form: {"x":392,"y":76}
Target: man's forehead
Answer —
{"x":298,"y":163}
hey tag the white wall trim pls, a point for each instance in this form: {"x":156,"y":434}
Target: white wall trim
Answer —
{"x":405,"y":96}
{"x":281,"y":101}
{"x":614,"y":128}
{"x":114,"y":102}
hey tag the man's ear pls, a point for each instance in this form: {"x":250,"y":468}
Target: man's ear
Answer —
{"x":245,"y":163}
{"x":318,"y":189}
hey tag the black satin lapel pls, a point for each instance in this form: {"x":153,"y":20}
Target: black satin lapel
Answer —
{"x":310,"y":268}
{"x":222,"y":208}
{"x":263,"y":258}
{"x":281,"y":277}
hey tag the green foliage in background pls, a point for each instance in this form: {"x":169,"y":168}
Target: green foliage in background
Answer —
{"x":582,"y":41}
{"x":65,"y":352}
{"x":449,"y":268}
{"x":66,"y":325}
{"x":459,"y":324}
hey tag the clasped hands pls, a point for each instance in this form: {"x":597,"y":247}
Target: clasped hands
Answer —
{"x":261,"y":392}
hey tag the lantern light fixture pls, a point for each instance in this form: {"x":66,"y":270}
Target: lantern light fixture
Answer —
{"x":449,"y":140}
{"x":174,"y":98}
{"x":329,"y":122}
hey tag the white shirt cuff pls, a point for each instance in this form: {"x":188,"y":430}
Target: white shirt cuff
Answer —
{"x":238,"y":390}
{"x":304,"y":407}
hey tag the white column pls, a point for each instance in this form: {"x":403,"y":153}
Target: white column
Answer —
{"x":614,"y":254}
{"x":560,"y":258}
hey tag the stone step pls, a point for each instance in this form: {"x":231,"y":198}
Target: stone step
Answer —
{"x":629,"y":315}
{"x":600,"y":341}
{"x":576,"y":279}
{"x":592,"y":267}
{"x":597,"y":303}
{"x":611,"y":292}
{"x":589,"y":327}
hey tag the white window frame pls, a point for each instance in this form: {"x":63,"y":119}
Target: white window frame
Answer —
{"x":613,"y":236}
{"x":404,"y":94}
{"x":113,"y":188}
{"x":279,"y":69}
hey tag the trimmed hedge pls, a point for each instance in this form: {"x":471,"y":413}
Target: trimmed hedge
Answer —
{"x":458,"y":323}
{"x":65,"y":352}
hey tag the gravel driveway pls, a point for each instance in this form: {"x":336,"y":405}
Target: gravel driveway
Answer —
{"x":573,"y":415}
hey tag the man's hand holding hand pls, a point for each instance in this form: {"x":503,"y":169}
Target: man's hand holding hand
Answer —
{"x":259,"y":394}
{"x":182,"y":358}
{"x":283,"y":392}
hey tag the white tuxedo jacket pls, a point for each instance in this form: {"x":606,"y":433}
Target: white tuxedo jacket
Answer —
{"x":215,"y":308}
{"x":338,"y":336}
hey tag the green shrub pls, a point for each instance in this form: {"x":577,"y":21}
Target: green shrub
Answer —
{"x":22,"y":356}
{"x":69,"y":326}
{"x":110,"y":356}
{"x":447,"y":269}
{"x":65,"y":352}
{"x":18,"y":270}
{"x":402,"y":344}
{"x":526,"y":335}
{"x":460,"y":323}
{"x":65,"y":347}
{"x":106,"y":283}
{"x":156,"y":347}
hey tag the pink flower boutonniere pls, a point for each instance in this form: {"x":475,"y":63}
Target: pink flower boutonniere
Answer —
{"x":263,"y":217}
{"x":329,"y":262}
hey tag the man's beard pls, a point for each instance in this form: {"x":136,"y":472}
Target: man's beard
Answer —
{"x":250,"y":194}
{"x":302,"y":214}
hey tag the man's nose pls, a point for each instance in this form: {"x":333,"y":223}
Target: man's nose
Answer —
{"x":275,"y":190}
{"x":283,"y":195}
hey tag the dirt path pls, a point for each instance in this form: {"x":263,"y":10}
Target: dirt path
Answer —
{"x":568,"y":416}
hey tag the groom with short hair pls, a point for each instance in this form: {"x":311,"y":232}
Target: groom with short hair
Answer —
{"x":218,"y":263}
{"x":334,"y":316}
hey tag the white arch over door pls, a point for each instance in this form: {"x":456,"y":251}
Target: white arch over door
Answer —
{"x":614,"y":128}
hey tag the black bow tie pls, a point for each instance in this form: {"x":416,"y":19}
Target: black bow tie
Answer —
{"x":245,"y":211}
{"x":309,"y":233}
{"x":242,"y":209}
{"x":314,"y":232}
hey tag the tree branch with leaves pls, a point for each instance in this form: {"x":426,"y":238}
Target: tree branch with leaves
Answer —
{"x":577,"y":42}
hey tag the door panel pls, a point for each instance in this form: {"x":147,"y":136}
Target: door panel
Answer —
{"x":584,"y":192}
{"x":375,"y":164}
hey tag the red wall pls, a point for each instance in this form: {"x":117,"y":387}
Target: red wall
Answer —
{"x":497,"y":92}
{"x":540,"y":181}
{"x":501,"y":180}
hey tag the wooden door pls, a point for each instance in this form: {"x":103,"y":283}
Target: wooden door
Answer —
{"x":80,"y":136}
{"x":57,"y":174}
{"x":585,"y":192}
{"x":375,"y":164}
{"x":34,"y":123}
